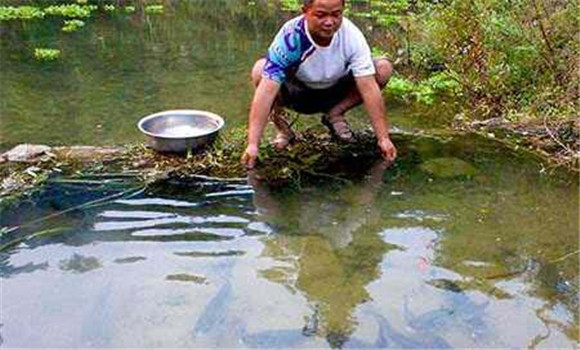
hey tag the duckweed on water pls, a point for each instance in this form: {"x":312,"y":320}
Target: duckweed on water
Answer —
{"x":154,"y":9}
{"x":72,"y":11}
{"x":8,"y":13}
{"x":75,"y":11}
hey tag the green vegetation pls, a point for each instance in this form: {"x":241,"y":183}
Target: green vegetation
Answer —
{"x":425,"y":91}
{"x":43,"y":54}
{"x":72,"y":25}
{"x":71,"y":11}
{"x":8,"y":13}
{"x":154,"y":9}
{"x":510,"y":59}
{"x":290,"y":5}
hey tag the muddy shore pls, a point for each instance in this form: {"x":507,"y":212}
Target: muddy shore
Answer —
{"x":25,"y":167}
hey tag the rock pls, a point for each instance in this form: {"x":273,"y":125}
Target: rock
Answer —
{"x":25,"y":153}
{"x":87,"y":153}
{"x":448,"y":168}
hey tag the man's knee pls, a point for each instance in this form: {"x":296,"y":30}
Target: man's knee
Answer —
{"x":384,"y":70}
{"x":257,"y":71}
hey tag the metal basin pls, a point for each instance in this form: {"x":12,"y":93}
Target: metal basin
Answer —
{"x":180,"y":130}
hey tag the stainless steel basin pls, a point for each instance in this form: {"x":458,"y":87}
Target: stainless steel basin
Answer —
{"x":180,"y":130}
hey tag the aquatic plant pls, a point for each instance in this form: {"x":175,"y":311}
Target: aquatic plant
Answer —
{"x":43,"y":54}
{"x":129,"y":9}
{"x":71,"y":10}
{"x":8,"y":13}
{"x":72,"y":25}
{"x":154,"y":9}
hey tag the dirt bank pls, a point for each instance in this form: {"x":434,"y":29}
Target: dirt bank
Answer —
{"x":556,"y":141}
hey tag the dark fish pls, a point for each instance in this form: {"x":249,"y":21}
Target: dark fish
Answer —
{"x":390,"y":338}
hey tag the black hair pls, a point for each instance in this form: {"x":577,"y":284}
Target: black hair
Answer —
{"x":310,"y":2}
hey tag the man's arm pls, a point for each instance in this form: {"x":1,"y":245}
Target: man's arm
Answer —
{"x":261,"y":105}
{"x":375,"y":106}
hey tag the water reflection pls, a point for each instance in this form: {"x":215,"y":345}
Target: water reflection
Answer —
{"x":329,"y":246}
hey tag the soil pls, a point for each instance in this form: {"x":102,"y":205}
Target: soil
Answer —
{"x":557,"y":141}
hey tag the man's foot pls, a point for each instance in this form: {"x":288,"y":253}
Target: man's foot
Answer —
{"x":282,"y":140}
{"x":338,"y":127}
{"x":284,"y":134}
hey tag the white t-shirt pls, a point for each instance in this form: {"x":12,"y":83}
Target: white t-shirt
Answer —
{"x":293,"y":52}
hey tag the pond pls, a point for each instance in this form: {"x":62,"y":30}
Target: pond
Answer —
{"x":460,"y":244}
{"x":120,"y":67}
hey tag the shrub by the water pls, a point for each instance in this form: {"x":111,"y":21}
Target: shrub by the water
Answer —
{"x":507,"y":58}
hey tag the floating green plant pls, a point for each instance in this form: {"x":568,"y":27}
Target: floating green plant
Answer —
{"x":8,"y":13}
{"x":72,"y":10}
{"x":109,"y":8}
{"x":129,"y":9}
{"x":154,"y":9}
{"x":43,"y":54}
{"x":72,"y":25}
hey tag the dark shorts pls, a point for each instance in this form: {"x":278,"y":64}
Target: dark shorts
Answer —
{"x":302,"y":99}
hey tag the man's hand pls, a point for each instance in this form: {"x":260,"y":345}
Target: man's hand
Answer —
{"x":250,"y":156}
{"x":375,"y":106}
{"x":388,"y":150}
{"x":261,"y":105}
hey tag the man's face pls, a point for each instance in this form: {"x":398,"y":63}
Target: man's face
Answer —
{"x":324,"y":17}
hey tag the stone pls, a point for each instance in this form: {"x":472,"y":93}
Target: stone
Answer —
{"x":87,"y":153}
{"x":25,"y":153}
{"x":448,"y":167}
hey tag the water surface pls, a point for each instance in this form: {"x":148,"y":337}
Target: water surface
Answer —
{"x":119,"y":68}
{"x":461,"y":244}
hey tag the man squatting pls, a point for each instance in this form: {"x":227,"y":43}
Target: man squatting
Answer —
{"x":319,"y":62}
